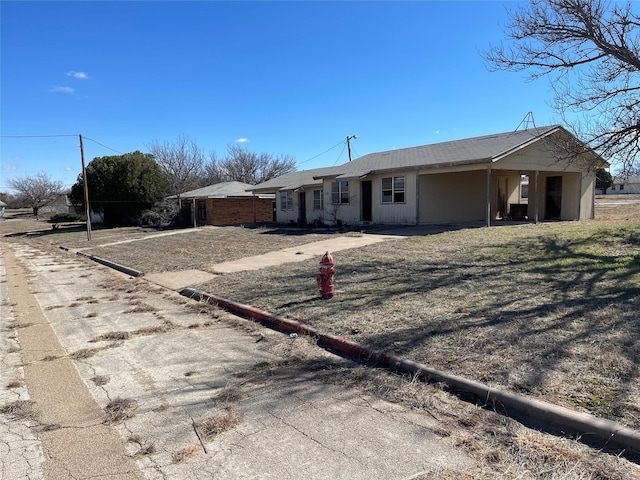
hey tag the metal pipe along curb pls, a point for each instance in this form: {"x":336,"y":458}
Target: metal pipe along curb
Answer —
{"x":115,"y":266}
{"x":587,"y":426}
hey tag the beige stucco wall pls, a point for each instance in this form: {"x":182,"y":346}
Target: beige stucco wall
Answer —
{"x":453,"y":197}
{"x":395,"y":213}
{"x":577,"y":195}
{"x":540,"y":156}
{"x":587,"y":199}
{"x":287,"y":216}
{"x":347,"y":213}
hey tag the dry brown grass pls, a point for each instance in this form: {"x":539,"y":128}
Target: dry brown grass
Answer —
{"x":111,"y":336}
{"x":548,"y":310}
{"x":219,"y":423}
{"x":186,"y":453}
{"x":119,"y":410}
{"x":20,"y":410}
{"x":84,"y":353}
{"x":100,"y":380}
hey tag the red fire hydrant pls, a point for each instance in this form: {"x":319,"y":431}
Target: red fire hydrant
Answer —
{"x":326,"y":276}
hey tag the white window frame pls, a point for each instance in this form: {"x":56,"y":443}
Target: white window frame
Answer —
{"x":340,"y":192}
{"x":318,"y":200}
{"x":395,"y":193}
{"x":286,"y":200}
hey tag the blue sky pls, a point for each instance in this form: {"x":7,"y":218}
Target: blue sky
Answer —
{"x":281,"y":77}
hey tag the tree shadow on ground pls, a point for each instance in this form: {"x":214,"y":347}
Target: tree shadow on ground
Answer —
{"x":523,"y":316}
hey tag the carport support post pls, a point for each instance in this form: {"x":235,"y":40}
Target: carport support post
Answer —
{"x":536,"y":203}
{"x":489,"y":195}
{"x":193,"y":211}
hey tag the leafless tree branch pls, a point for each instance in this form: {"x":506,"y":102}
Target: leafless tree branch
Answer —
{"x":590,"y":50}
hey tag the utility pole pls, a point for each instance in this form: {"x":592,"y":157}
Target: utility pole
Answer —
{"x":352,"y":137}
{"x":86,"y":191}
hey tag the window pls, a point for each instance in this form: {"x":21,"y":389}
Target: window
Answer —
{"x":340,"y":192}
{"x":317,"y":200}
{"x":202,"y":210}
{"x":286,"y":200}
{"x":393,"y":190}
{"x":621,"y":186}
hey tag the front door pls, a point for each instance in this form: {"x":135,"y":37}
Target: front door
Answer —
{"x":553,"y":198}
{"x":367,"y":201}
{"x":501,"y":204}
{"x":302,"y":209}
{"x":202,"y":212}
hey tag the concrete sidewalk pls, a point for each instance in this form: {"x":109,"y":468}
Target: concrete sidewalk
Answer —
{"x":182,"y":367}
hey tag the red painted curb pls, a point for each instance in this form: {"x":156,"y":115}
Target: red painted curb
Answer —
{"x":584,"y":425}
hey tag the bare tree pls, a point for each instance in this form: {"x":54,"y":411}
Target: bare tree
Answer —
{"x":36,"y":192}
{"x":241,"y":165}
{"x":213,"y":172}
{"x":181,"y":163}
{"x":590,"y":49}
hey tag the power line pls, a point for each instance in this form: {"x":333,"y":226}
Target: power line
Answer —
{"x":63,"y":135}
{"x":102,"y":145}
{"x":320,"y":154}
{"x":37,"y":136}
{"x":339,"y":156}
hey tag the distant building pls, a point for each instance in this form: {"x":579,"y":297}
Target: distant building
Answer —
{"x":59,"y":203}
{"x":629,"y":184}
{"x":226,"y":203}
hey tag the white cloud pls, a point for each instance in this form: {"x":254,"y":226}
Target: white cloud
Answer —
{"x":57,"y":89}
{"x":67,"y":169}
{"x":242,"y":140}
{"x":78,"y":75}
{"x":9,"y":166}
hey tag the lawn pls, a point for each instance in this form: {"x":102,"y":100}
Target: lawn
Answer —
{"x":549,"y":310}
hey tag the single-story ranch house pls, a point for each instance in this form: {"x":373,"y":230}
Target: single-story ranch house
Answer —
{"x":629,"y":184}
{"x":472,"y":180}
{"x":226,"y":203}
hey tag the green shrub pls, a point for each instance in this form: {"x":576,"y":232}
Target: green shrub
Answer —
{"x":66,"y":217}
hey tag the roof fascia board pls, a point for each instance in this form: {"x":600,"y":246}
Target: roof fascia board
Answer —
{"x":522,"y":145}
{"x":445,"y":165}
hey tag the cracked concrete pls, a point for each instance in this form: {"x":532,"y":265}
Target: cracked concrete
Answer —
{"x":182,"y":365}
{"x":79,"y":445}
{"x":21,"y":454}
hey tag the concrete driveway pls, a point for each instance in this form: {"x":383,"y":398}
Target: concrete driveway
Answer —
{"x":202,"y":394}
